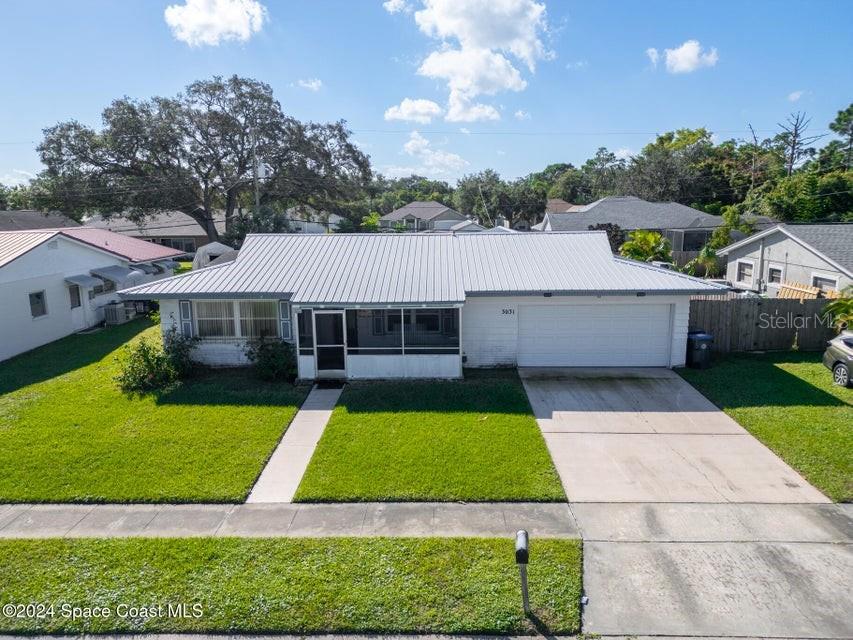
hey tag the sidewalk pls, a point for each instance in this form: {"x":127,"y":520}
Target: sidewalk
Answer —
{"x":417,"y":519}
{"x":282,"y":474}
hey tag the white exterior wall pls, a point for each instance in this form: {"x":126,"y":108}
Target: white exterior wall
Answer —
{"x":490,"y":324}
{"x":409,"y":366}
{"x":45,"y":268}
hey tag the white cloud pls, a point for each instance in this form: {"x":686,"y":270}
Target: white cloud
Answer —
{"x":430,"y":161}
{"x":521,"y":114}
{"x":312,"y":84}
{"x":396,"y":6}
{"x":210,"y":22}
{"x":417,"y":110}
{"x":795,"y":95}
{"x":689,"y":57}
{"x":577,"y":65}
{"x":653,"y":55}
{"x":16,"y":177}
{"x":623,"y":153}
{"x":478,"y":38}
{"x":465,"y":130}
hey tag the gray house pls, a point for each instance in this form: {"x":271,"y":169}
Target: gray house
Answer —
{"x":818,"y":255}
{"x":26,"y":219}
{"x":687,"y":229}
{"x":420,"y":216}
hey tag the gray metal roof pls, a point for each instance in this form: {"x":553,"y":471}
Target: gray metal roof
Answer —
{"x":28,"y":219}
{"x":116,"y":273}
{"x":421,"y":210}
{"x":420,"y":269}
{"x":632,"y":213}
{"x":84,"y":280}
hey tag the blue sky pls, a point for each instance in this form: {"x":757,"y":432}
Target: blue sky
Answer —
{"x":506,"y":84}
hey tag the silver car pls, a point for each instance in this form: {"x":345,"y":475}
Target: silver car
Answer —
{"x":838,"y":358}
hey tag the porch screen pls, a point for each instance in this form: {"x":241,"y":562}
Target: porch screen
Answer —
{"x":215,"y":319}
{"x":374,"y":332}
{"x":431,"y":330}
{"x":258,"y":318}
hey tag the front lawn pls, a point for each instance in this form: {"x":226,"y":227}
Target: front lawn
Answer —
{"x":291,"y":585}
{"x":788,"y":401}
{"x":68,"y":434}
{"x":471,"y":440}
{"x":184,"y":266}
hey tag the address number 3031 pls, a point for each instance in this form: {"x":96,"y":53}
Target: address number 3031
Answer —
{"x":507,"y":312}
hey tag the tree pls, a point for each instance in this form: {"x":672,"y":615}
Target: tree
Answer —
{"x":809,"y":196}
{"x":615,"y":234}
{"x":794,"y":142}
{"x":706,"y":263}
{"x":197,"y":153}
{"x":370,"y":222}
{"x":483,"y":195}
{"x":646,"y":246}
{"x":843,"y":127}
{"x":840,"y":310}
{"x":732,"y":221}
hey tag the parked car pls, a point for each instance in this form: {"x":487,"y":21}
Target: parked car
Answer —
{"x":838,"y":358}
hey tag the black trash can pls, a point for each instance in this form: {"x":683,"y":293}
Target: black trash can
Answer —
{"x":699,"y":349}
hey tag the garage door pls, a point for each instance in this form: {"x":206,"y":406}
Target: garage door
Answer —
{"x":606,"y":335}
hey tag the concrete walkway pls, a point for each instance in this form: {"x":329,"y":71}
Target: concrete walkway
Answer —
{"x":282,"y":474}
{"x":420,"y":519}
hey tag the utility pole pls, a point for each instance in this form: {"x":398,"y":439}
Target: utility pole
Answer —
{"x":485,"y":208}
{"x":255,"y":173}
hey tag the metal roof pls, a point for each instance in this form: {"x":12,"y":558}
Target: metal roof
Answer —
{"x":131,"y":249}
{"x":14,"y":244}
{"x":116,"y":273}
{"x":420,"y":269}
{"x":84,"y":280}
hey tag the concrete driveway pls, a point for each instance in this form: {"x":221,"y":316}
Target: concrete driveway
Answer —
{"x":646,"y":435}
{"x":691,"y":526}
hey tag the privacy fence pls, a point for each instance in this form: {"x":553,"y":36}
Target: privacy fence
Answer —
{"x":758,"y":324}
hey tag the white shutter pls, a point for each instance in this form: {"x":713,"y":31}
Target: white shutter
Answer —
{"x":186,"y":309}
{"x":284,"y":318}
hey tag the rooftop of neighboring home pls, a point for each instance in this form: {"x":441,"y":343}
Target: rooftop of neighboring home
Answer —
{"x":173,"y":224}
{"x":28,"y":219}
{"x":630,"y":213}
{"x":421,"y":210}
{"x":14,"y":244}
{"x":557,"y":205}
{"x":831,"y":241}
{"x":413,"y":268}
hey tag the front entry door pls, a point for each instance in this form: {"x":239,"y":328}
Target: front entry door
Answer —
{"x":330,"y":344}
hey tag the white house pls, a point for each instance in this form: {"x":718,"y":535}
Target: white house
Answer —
{"x":54,"y":282}
{"x":425,"y":305}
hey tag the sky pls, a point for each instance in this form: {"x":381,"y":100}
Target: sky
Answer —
{"x":441,"y":88}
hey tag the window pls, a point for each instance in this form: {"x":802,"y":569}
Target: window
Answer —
{"x":258,"y":318}
{"x":215,"y":319}
{"x":774,"y":275}
{"x":825,"y":283}
{"x":431,"y":331}
{"x":101,"y":289}
{"x":305,"y":326}
{"x":74,"y":293}
{"x":38,"y":304}
{"x":744,"y":271}
{"x":374,"y":331}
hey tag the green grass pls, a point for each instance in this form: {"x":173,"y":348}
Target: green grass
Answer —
{"x":183,"y":267}
{"x":788,"y":401}
{"x":68,"y":434}
{"x":472,"y":440}
{"x":440,"y":585}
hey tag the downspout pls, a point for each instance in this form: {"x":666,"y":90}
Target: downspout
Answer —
{"x":762,"y":285}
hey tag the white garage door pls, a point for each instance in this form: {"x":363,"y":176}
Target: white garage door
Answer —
{"x":606,"y":335}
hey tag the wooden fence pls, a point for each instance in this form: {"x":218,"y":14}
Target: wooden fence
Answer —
{"x":762,"y":324}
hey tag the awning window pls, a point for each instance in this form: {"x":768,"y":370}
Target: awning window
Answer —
{"x":84,"y":280}
{"x":117,"y":274}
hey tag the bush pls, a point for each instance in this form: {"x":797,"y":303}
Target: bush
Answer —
{"x":272,"y":359}
{"x":148,"y":367}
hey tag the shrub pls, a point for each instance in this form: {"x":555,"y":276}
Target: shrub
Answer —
{"x":272,"y":359}
{"x":145,"y":367}
{"x":148,"y":367}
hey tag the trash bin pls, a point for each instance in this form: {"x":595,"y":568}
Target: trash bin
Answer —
{"x":699,"y":349}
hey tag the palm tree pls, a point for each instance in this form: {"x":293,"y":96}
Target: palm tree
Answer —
{"x":646,"y":246}
{"x":707,"y":259}
{"x":840,"y":310}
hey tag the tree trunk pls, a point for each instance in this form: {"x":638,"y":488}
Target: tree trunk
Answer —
{"x":205,"y":221}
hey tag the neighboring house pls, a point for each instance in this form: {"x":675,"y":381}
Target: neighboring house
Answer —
{"x":557,"y":205}
{"x":54,"y":282}
{"x":420,"y":216}
{"x":228,"y":256}
{"x":416,"y":305}
{"x":818,"y":255}
{"x":687,"y":229}
{"x":171,"y":229}
{"x":27,"y":219}
{"x":307,"y":220}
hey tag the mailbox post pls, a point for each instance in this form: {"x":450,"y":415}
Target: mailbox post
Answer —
{"x":522,"y":555}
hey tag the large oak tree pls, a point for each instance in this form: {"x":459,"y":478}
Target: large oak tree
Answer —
{"x":195,"y":153}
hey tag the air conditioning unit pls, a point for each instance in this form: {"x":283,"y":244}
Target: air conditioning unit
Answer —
{"x":118,"y":313}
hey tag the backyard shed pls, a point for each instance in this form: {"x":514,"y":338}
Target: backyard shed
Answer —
{"x":425,"y":305}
